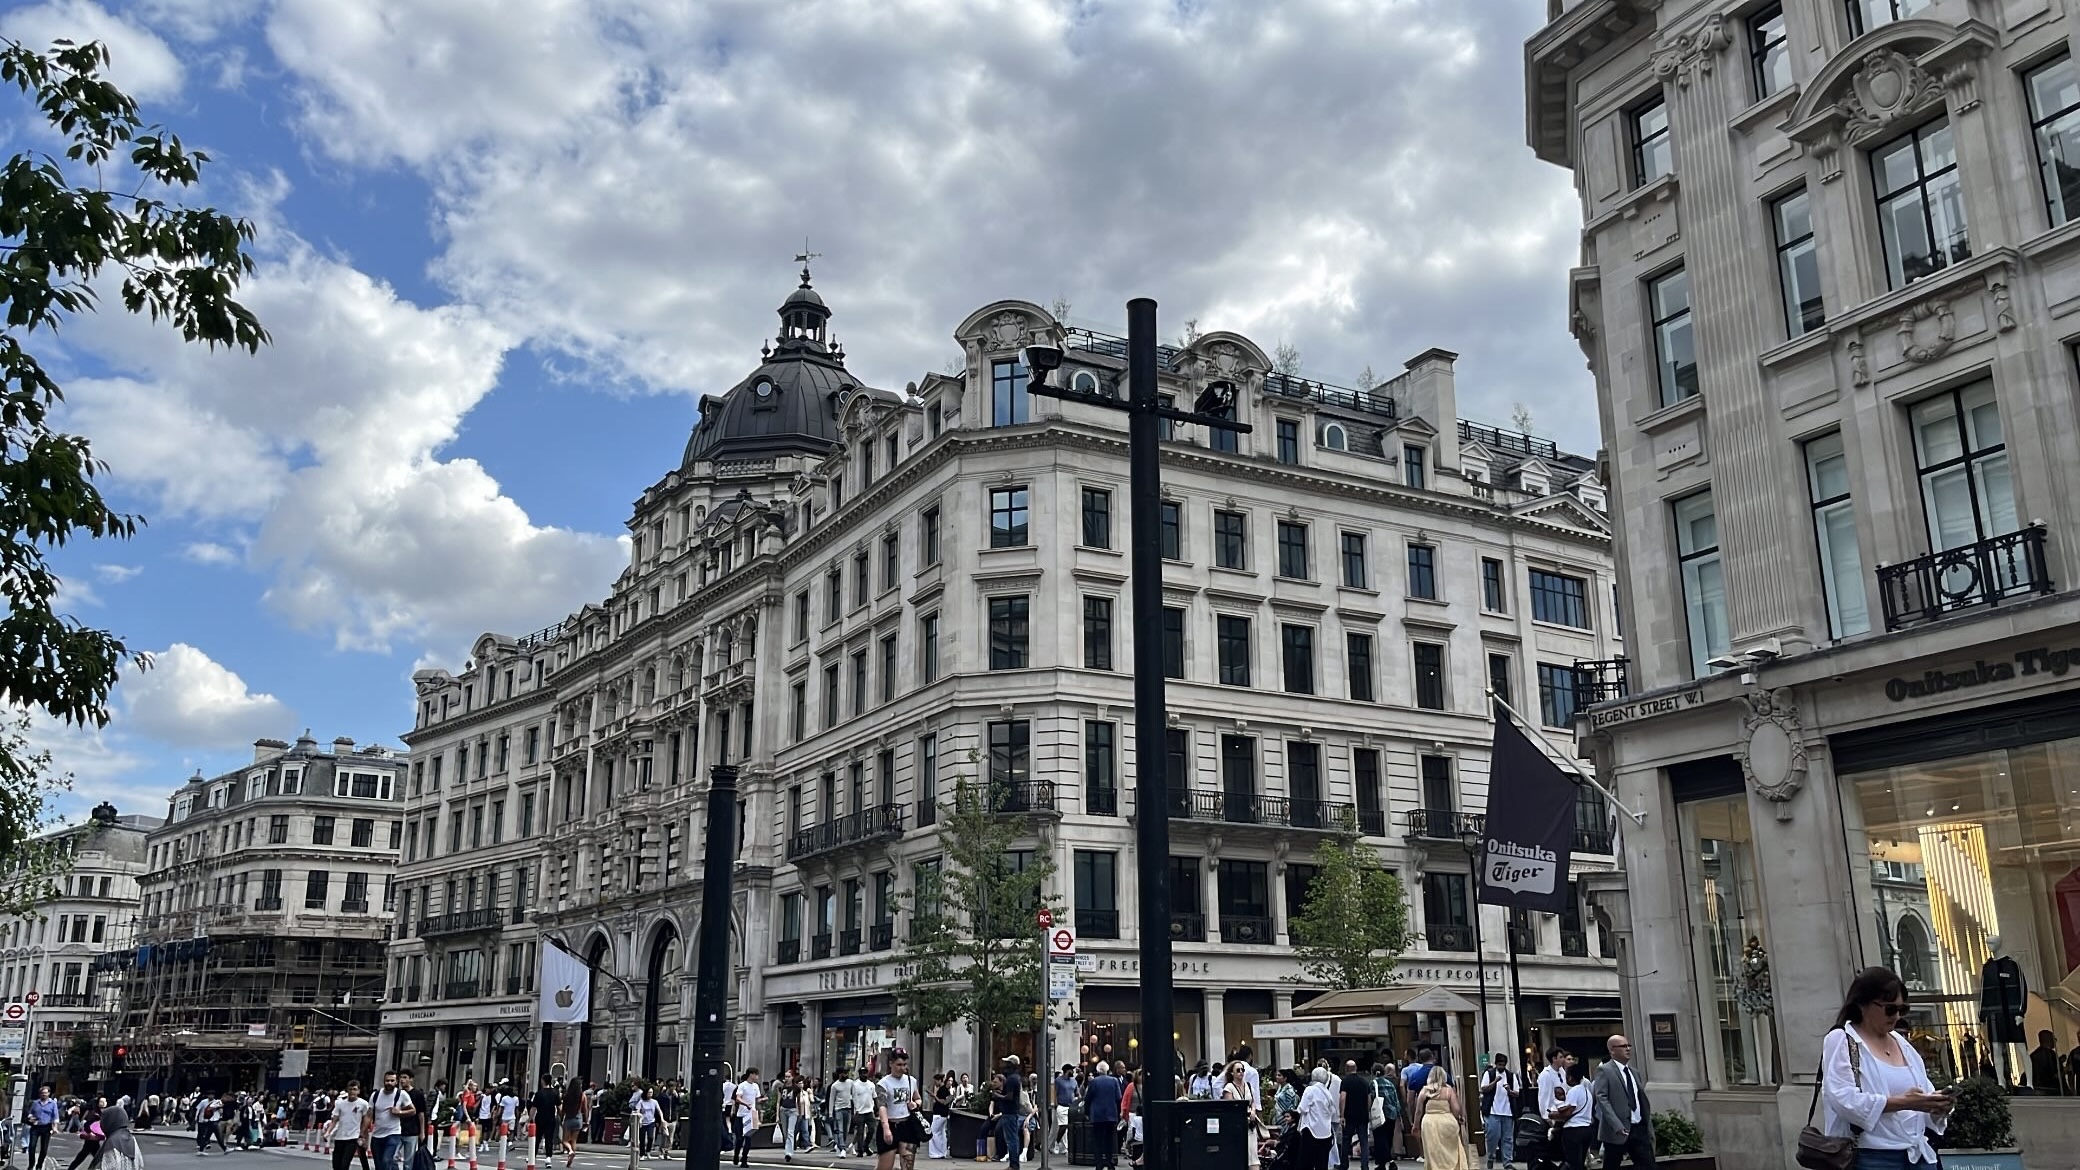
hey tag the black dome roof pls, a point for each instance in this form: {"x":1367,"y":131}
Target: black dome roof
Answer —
{"x":803,"y":380}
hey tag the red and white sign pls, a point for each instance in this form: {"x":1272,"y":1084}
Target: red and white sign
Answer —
{"x":14,"y":1013}
{"x":1046,"y":918}
{"x":1061,"y":941}
{"x":31,"y":998}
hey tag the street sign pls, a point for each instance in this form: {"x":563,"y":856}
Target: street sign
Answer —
{"x":14,"y":1043}
{"x":1061,"y":941}
{"x":31,"y":998}
{"x":1086,"y":963}
{"x":14,"y":1013}
{"x":1061,"y":983}
{"x":1046,"y":918}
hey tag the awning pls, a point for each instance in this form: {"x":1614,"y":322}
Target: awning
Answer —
{"x":1373,"y":1001}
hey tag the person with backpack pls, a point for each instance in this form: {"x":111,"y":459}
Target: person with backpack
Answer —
{"x":1500,"y":1087}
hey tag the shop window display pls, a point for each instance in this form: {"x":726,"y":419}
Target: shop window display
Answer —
{"x":1729,"y":943}
{"x":1965,"y":860}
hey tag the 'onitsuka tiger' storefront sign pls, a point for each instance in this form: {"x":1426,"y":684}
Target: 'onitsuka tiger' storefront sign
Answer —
{"x":1982,"y":672}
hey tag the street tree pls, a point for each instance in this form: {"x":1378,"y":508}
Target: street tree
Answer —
{"x":89,"y":214}
{"x":974,"y":948}
{"x":1286,"y":359}
{"x":1354,"y":925}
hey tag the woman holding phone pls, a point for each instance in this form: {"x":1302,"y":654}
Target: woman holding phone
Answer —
{"x":1877,"y":1088}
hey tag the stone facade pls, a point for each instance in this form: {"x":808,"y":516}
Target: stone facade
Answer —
{"x":1827,"y":288}
{"x":860,"y":597}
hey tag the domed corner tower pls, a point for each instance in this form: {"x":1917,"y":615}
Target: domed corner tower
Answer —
{"x":788,"y":405}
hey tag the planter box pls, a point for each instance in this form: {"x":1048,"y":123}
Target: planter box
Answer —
{"x":1980,"y":1159}
{"x":1689,"y":1161}
{"x":962,"y":1130}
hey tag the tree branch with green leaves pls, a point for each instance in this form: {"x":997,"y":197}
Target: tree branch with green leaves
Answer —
{"x":1353,"y":927}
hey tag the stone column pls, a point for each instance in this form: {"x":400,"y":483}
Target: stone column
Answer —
{"x":1214,"y":1040}
{"x":1281,"y":1008}
{"x":1755,"y":521}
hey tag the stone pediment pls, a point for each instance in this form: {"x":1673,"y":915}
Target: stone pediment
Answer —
{"x":1567,"y":512}
{"x":1885,"y":81}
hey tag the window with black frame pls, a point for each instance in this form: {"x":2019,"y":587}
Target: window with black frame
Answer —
{"x":1652,"y":153}
{"x":1010,"y":631}
{"x":1170,"y":530}
{"x":1798,"y":263}
{"x":1097,"y":518}
{"x":1010,"y":403}
{"x":2054,"y":118}
{"x":1769,"y":53}
{"x":1921,"y":212}
{"x":1231,"y":638}
{"x":1230,"y":540}
{"x":1865,"y":15}
{"x":1097,"y":633}
{"x":1008,"y":517}
{"x":1675,"y":348}
{"x":1559,"y":599}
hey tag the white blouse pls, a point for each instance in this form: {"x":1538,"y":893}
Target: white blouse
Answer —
{"x":1318,"y":1111}
{"x":1847,"y":1104}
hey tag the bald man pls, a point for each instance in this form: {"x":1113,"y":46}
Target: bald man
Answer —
{"x":1624,"y":1117}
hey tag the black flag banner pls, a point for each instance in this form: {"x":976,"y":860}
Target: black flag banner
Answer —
{"x":1530,"y":825}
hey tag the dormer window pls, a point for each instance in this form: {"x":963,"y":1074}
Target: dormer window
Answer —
{"x":1009,"y":403}
{"x":1335,"y":438}
{"x":1414,"y":466}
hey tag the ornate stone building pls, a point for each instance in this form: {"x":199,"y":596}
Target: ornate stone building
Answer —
{"x":859,"y":596}
{"x":1829,"y":270}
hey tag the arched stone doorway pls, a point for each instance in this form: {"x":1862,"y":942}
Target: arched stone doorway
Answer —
{"x":661,"y":1052}
{"x":596,"y":950}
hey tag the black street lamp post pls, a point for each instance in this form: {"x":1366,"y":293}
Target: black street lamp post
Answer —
{"x":711,"y":981}
{"x":1145,"y":415}
{"x":1470,"y":840}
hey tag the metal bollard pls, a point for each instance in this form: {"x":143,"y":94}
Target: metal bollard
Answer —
{"x":634,"y":1135}
{"x":531,"y":1143}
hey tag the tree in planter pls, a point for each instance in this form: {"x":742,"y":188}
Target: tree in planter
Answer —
{"x":974,"y":951}
{"x":1981,"y":1119}
{"x":1354,"y":926}
{"x":69,"y":224}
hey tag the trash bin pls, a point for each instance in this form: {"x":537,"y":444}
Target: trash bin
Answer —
{"x":1208,"y":1135}
{"x":1080,"y":1152}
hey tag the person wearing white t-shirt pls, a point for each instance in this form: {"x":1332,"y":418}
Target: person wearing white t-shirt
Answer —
{"x":747,"y":1114}
{"x":349,"y":1126}
{"x":899,"y":1130}
{"x":1499,"y":1088}
{"x":1552,"y":1080}
{"x":1576,"y":1117}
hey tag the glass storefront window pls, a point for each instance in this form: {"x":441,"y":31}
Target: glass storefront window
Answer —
{"x":1968,"y":858}
{"x":1726,"y":915}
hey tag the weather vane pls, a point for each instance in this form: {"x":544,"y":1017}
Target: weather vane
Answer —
{"x":803,"y":257}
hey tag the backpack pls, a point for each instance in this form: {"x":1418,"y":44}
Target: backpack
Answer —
{"x":1504,"y":1083}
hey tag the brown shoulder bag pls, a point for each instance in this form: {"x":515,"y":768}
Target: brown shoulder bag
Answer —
{"x":1816,"y":1150}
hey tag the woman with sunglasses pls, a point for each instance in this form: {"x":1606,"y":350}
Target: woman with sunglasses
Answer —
{"x":1876,"y":1086}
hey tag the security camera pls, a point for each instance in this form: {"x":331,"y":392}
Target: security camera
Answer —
{"x":1766,"y":651}
{"x":1724,"y":661}
{"x":1041,"y":359}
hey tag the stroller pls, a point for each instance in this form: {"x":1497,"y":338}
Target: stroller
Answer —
{"x":1285,"y":1152}
{"x":1538,"y":1151}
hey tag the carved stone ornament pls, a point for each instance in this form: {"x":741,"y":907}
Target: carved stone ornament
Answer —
{"x":1859,"y":369}
{"x":1225,"y":361}
{"x":1007,"y":330}
{"x":1888,"y":87}
{"x":2003,"y":306}
{"x":1686,"y":55}
{"x":1771,"y":755}
{"x":1910,"y":345}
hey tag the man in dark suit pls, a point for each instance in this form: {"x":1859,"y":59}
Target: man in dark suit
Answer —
{"x":1101,"y":1100}
{"x":1624,"y":1117}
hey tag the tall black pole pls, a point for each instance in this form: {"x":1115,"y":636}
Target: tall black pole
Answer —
{"x":1516,"y":1006}
{"x":1480,"y":961}
{"x":711,"y":982}
{"x":1151,"y":786}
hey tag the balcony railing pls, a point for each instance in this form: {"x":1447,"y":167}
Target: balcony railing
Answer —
{"x":66,"y":1000}
{"x":880,"y":822}
{"x":1188,"y":928}
{"x":1931,"y":588}
{"x":1442,"y":824}
{"x":512,"y":985}
{"x":1601,"y":680}
{"x":1524,"y":939}
{"x":411,"y":992}
{"x":1450,"y":938}
{"x":354,"y":906}
{"x":1574,"y":944}
{"x":1372,"y":822}
{"x":1248,"y":808}
{"x":460,"y":922}
{"x":1098,"y":923}
{"x":1023,"y":796}
{"x":881,"y":936}
{"x":1510,"y":442}
{"x":461,"y":989}
{"x":267,"y":904}
{"x":790,"y":951}
{"x":1101,"y":801}
{"x":1587,"y":840}
{"x":519,"y":915}
{"x":927,"y":814}
{"x":397,"y":995}
{"x":848,"y":942}
{"x":1248,"y":929}
{"x":820,"y":947}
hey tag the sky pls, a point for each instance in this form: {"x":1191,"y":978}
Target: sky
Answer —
{"x":504,"y":246}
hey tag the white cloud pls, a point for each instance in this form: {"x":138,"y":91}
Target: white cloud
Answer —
{"x":208,"y":552}
{"x":138,"y":62}
{"x":74,"y":594}
{"x":96,"y":766}
{"x":188,"y":699}
{"x":117,"y":574}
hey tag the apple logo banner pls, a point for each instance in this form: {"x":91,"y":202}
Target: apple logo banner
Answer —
{"x":1528,"y":833}
{"x":566,"y":987}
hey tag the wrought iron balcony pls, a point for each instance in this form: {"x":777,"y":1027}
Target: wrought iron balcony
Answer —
{"x":1601,"y":680}
{"x":460,"y":989}
{"x":1524,"y":939}
{"x":411,"y":992}
{"x":1931,"y":588}
{"x":1248,"y":808}
{"x":1442,"y":824}
{"x":1372,"y":822}
{"x":512,"y":985}
{"x":848,"y":942}
{"x":1574,"y":944}
{"x":460,"y":922}
{"x":820,"y":946}
{"x":1022,"y":796}
{"x":1187,"y":927}
{"x":73,"y":999}
{"x":1098,"y":923}
{"x":1450,"y":937}
{"x":882,"y":822}
{"x":1587,"y":840}
{"x":790,"y":951}
{"x":1101,"y":801}
{"x":881,"y":936}
{"x":1249,"y":929}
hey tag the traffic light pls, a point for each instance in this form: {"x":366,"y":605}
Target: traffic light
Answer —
{"x":115,"y":1062}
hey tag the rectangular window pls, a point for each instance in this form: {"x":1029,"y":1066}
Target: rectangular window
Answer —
{"x":1834,"y":530}
{"x":1170,"y":530}
{"x":321,"y":830}
{"x":1652,"y":154}
{"x":927,"y":779}
{"x":1288,"y":440}
{"x":1010,"y":629}
{"x":1177,"y":758}
{"x":1239,"y":779}
{"x":1722,"y":869}
{"x":1296,"y":653}
{"x":1703,"y":578}
{"x":859,"y":683}
{"x":1371,"y":792}
{"x":1412,"y":469}
{"x":314,"y":887}
{"x":1100,"y":768}
{"x":1494,"y":592}
{"x":1358,"y":664}
{"x":1447,"y":927}
{"x":1865,"y":15}
{"x":1231,"y":637}
{"x":1097,"y":633}
{"x":888,"y":669}
{"x":1555,"y":695}
{"x":859,"y":579}
{"x":928,"y":649}
{"x":1097,"y":892}
{"x":1422,"y":571}
{"x":362,"y":835}
{"x":1304,"y":785}
{"x":2054,"y":116}
{"x":1230,"y":540}
{"x":1009,"y":404}
{"x":1355,"y":575}
{"x":1499,"y":678}
{"x":1961,"y":458}
{"x":1292,"y":550}
{"x":1560,"y":599}
{"x":1010,"y":756}
{"x":928,"y":536}
{"x":1245,"y":894}
{"x":833,"y":595}
{"x":1769,"y":57}
{"x":799,"y":711}
{"x":1166,"y":430}
{"x":830,"y":696}
{"x":278,"y":830}
{"x":1798,"y":263}
{"x":1097,"y":518}
{"x":1007,"y":517}
{"x":1921,"y":216}
{"x":1173,"y":642}
{"x":1439,"y":794}
{"x":891,"y":560}
{"x":1675,"y":349}
{"x":1429,"y":680}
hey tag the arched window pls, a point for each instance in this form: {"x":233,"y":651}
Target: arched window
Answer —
{"x":1335,"y":438}
{"x":1913,"y":955}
